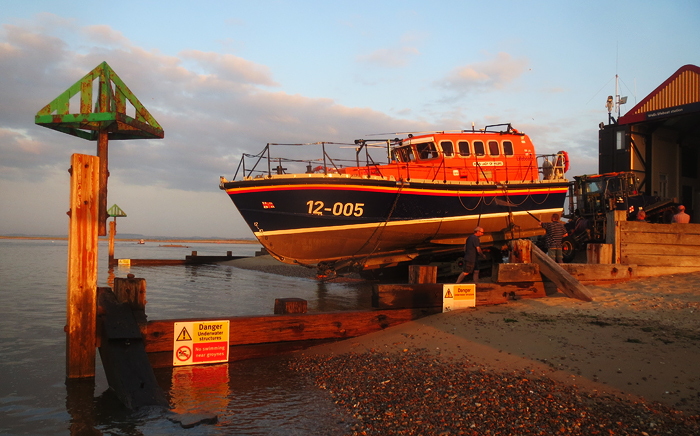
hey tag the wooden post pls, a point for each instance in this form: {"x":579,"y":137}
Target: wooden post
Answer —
{"x":112,"y":233}
{"x":102,"y":141}
{"x":520,"y":251}
{"x":290,"y":305}
{"x":82,"y":266}
{"x":132,"y":291}
{"x":422,"y":274}
{"x":599,"y":253}
{"x":612,"y":232}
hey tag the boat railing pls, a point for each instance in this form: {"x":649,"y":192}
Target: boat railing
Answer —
{"x":325,"y":164}
{"x":362,"y":163}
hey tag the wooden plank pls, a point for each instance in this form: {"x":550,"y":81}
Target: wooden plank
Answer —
{"x":599,"y":253}
{"x":422,"y":274}
{"x":656,"y":260}
{"x":584,"y":272}
{"x":283,"y":328}
{"x":564,"y":281}
{"x":495,"y":293}
{"x":516,"y":272}
{"x":660,"y":238}
{"x":407,"y":296}
{"x":661,"y":249}
{"x":655,"y":271}
{"x":641,"y":227}
{"x":82,"y":266}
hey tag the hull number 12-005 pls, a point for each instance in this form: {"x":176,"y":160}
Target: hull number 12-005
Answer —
{"x":347,"y":209}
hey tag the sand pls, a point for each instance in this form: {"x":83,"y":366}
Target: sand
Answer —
{"x":637,"y":340}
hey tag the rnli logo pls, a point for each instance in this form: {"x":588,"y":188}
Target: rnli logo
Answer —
{"x":268,"y":205}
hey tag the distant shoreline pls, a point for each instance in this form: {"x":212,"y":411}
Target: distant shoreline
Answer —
{"x":190,"y":241}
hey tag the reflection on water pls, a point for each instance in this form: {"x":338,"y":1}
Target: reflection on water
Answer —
{"x":251,"y":397}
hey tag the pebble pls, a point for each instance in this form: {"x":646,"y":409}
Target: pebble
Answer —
{"x":430,"y":396}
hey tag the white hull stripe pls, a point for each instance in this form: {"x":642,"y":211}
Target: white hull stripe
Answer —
{"x":263,"y":232}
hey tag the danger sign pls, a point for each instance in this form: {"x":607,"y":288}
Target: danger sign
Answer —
{"x":199,"y":342}
{"x":458,"y":296}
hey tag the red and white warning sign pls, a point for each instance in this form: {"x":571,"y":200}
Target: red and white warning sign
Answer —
{"x":198,"y":342}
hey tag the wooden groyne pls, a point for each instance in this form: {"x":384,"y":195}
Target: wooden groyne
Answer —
{"x":193,"y":259}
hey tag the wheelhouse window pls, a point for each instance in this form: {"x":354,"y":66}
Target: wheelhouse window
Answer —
{"x":508,"y":148}
{"x":447,"y":148}
{"x":493,"y":148}
{"x":479,"y":148}
{"x":404,"y":154}
{"x":427,"y":150}
{"x":463,"y":147}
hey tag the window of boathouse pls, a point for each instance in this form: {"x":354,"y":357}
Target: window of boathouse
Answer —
{"x":463,"y":147}
{"x":479,"y":148}
{"x":447,"y":148}
{"x":508,"y":148}
{"x":493,"y":149}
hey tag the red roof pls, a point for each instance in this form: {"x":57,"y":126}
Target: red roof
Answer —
{"x":679,"y":94}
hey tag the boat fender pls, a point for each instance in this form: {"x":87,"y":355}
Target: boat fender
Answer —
{"x":565,"y":156}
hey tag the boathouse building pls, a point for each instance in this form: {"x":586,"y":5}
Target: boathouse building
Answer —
{"x":659,"y":140}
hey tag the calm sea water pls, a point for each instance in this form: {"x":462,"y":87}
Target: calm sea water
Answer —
{"x":257,"y":397}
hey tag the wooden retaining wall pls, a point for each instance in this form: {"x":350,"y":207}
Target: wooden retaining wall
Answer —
{"x":659,"y":249}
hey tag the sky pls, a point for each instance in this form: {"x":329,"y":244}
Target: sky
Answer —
{"x":226,"y":77}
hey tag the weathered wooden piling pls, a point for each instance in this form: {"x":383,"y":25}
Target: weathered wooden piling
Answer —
{"x":422,"y":274}
{"x":82,"y":266}
{"x":290,"y":305}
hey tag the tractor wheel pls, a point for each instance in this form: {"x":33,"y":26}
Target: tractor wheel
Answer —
{"x":568,"y":249}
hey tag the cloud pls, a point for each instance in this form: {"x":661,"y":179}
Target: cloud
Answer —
{"x":390,"y":57}
{"x":212,"y":107}
{"x":230,"y":68}
{"x":494,"y":73}
{"x":398,"y":56}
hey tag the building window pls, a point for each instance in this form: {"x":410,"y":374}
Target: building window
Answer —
{"x":620,"y":139}
{"x":689,"y":162}
{"x":663,"y":185}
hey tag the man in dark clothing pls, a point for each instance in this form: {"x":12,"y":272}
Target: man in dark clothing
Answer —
{"x":555,"y":233}
{"x":471,"y":248}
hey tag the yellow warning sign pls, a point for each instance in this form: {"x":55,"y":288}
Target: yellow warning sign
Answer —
{"x":464,"y":292}
{"x":458,"y":296}
{"x":184,"y":335}
{"x":200,"y":342}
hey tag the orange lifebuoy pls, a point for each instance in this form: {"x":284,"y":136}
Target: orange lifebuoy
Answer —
{"x":565,"y":156}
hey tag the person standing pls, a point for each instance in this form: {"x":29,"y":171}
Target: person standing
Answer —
{"x":471,"y":248}
{"x":555,"y":232}
{"x":681,"y":217}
